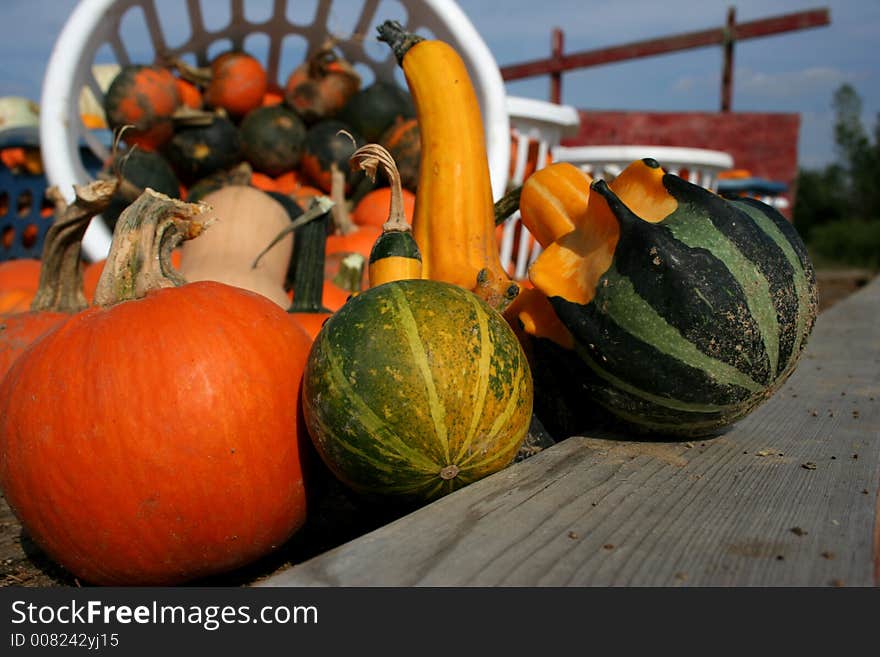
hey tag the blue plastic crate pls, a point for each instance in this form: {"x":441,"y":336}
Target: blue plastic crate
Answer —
{"x":22,"y":201}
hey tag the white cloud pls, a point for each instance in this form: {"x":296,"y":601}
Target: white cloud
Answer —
{"x":790,"y":84}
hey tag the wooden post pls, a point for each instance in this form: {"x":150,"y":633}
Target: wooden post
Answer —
{"x":556,"y":43}
{"x":727,"y":72}
{"x":560,"y":62}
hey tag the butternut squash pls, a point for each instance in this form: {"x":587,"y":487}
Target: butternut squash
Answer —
{"x":245,"y":220}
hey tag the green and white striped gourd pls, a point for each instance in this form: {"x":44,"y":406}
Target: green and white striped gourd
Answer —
{"x":702,"y":314}
{"x":416,"y":388}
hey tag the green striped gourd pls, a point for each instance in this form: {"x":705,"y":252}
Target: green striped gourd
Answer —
{"x":688,"y":311}
{"x":416,"y":388}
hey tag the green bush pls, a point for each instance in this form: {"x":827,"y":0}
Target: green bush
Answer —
{"x":848,"y":242}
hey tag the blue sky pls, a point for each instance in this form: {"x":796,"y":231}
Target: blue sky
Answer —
{"x":795,"y":72}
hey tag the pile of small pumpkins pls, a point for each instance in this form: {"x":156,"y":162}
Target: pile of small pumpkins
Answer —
{"x":193,"y":130}
{"x":157,"y":430}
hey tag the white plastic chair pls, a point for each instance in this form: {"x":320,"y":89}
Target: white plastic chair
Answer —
{"x":544,"y":123}
{"x":94,"y":26}
{"x":699,"y":166}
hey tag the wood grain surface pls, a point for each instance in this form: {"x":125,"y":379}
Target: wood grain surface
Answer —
{"x":787,"y":497}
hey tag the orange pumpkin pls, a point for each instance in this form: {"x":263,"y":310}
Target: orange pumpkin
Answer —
{"x":16,"y":300}
{"x":327,"y":146}
{"x":274,"y":96}
{"x":146,"y":98}
{"x":20,"y":330}
{"x":59,"y":290}
{"x":92,"y":274}
{"x":19,"y":273}
{"x":360,"y":240}
{"x":334,"y":297}
{"x":372,"y":209}
{"x":238,"y":83}
{"x":184,"y":463}
{"x":321,"y":86}
{"x":288,"y":182}
{"x":304,"y":194}
{"x":190,"y":96}
{"x":403,"y":139}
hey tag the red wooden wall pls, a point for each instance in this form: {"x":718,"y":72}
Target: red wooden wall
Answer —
{"x":763,"y":143}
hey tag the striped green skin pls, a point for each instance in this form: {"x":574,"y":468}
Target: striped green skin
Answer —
{"x":395,"y":244}
{"x":410,"y":378}
{"x":700,"y":317}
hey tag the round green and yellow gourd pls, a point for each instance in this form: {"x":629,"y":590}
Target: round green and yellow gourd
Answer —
{"x":686,"y":310}
{"x":416,"y":388}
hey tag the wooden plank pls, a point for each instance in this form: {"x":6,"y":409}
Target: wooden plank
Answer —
{"x":651,"y":47}
{"x":787,"y":497}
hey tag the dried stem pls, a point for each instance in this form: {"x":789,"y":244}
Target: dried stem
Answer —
{"x":195,"y":74}
{"x":507,"y":205}
{"x":319,"y":207}
{"x":342,"y":221}
{"x":60,"y":287}
{"x":369,"y":158}
{"x":394,"y":34}
{"x":147,"y":232}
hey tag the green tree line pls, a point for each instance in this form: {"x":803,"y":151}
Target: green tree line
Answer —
{"x":837,"y":209}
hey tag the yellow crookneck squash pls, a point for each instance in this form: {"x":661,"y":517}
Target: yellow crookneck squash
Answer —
{"x":454,"y":224}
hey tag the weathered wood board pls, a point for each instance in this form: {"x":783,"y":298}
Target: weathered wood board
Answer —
{"x":788,"y":497}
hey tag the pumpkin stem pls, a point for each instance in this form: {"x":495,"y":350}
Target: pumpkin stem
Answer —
{"x":187,"y":117}
{"x":320,"y":58}
{"x":351,"y":272}
{"x":195,"y":74}
{"x":394,"y":34}
{"x":368,"y":158}
{"x":342,"y":221}
{"x":60,"y":287}
{"x":146,"y":233}
{"x":507,"y":205}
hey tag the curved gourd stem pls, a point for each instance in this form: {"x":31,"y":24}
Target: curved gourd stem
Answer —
{"x":369,"y":158}
{"x":342,"y":221}
{"x":395,"y":255}
{"x":147,"y":232}
{"x":61,"y":284}
{"x":400,"y":41}
{"x":507,"y":205}
{"x":198,"y":75}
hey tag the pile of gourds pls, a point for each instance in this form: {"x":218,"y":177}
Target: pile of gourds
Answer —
{"x":192,"y":130}
{"x":156,"y":434}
